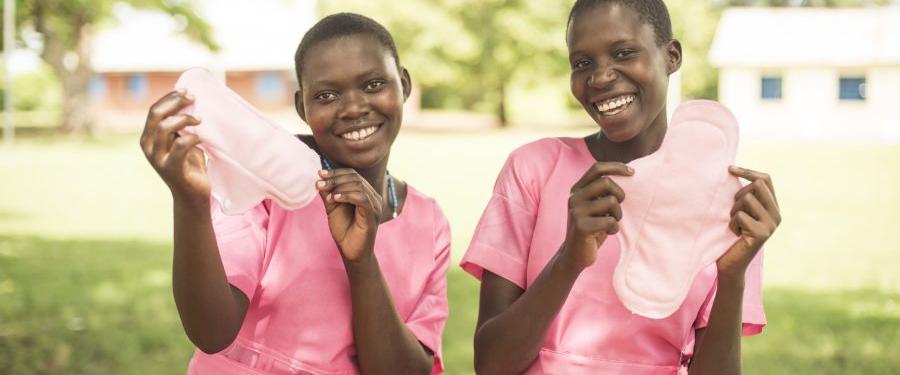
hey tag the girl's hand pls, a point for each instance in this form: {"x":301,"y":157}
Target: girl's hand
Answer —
{"x":175,"y":157}
{"x":754,"y":218}
{"x":354,"y":211}
{"x":594,"y":213}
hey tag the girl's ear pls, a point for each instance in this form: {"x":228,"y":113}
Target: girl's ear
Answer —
{"x":673,"y":56}
{"x":298,"y":104}
{"x":406,"y":81}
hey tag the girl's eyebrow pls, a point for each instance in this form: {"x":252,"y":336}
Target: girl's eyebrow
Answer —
{"x":617,"y":43}
{"x":322,"y":82}
{"x":621,"y":42}
{"x":364,"y":75}
{"x":369,"y":73}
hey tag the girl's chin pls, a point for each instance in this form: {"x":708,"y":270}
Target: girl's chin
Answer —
{"x":618,"y":134}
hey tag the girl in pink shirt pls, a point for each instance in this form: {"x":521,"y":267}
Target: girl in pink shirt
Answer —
{"x":547,"y":300}
{"x":352,"y":283}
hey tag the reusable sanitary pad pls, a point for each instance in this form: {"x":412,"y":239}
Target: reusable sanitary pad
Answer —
{"x":249,"y":158}
{"x":676,"y":210}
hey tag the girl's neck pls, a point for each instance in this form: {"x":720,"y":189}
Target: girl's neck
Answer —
{"x":645,"y":143}
{"x":376,"y":176}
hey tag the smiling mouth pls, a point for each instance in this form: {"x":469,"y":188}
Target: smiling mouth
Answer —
{"x":360,"y":134}
{"x":614,"y":106}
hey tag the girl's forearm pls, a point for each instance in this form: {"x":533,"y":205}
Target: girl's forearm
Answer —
{"x":719,"y":351}
{"x":211,"y":310}
{"x":384,"y":344}
{"x":510,"y":341}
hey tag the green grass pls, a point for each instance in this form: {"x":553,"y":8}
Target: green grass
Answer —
{"x":85,"y":254}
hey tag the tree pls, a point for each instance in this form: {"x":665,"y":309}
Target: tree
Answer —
{"x":470,"y":51}
{"x":66,"y":28}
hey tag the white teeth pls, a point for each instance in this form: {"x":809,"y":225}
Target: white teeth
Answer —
{"x":360,"y":134}
{"x":614,"y":106}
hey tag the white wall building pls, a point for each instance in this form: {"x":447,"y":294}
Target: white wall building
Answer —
{"x":811,"y":74}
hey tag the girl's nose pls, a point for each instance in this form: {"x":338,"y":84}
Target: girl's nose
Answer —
{"x":603,"y":76}
{"x":356,"y":105}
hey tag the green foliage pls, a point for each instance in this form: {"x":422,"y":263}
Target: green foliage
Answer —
{"x":33,"y":91}
{"x":467,"y":53}
{"x":64,"y":18}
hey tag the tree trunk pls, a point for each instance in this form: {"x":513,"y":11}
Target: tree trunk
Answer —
{"x":76,"y":103}
{"x":75,"y":74}
{"x":501,"y":105}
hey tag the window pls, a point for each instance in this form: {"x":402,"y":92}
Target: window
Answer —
{"x":269,"y":86}
{"x":137,"y":86}
{"x":771,"y":88}
{"x":97,"y":87}
{"x":852,"y":88}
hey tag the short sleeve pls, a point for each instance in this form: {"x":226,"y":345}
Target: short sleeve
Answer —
{"x":242,"y":242}
{"x":502,"y":237}
{"x":753,"y":315}
{"x":429,"y":316}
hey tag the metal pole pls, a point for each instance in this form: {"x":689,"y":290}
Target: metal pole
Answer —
{"x":9,"y":19}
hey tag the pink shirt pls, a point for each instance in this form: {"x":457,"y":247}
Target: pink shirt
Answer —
{"x":299,"y":318}
{"x":522,"y":228}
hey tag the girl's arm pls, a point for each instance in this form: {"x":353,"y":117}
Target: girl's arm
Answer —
{"x":512,"y":322}
{"x":718,"y":346}
{"x":211,"y":310}
{"x":384,"y":344}
{"x":755,"y":216}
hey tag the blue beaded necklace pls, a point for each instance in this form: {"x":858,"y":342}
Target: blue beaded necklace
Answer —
{"x":392,"y":193}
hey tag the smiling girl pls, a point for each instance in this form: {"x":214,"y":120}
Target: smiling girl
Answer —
{"x":352,"y":283}
{"x":543,"y":248}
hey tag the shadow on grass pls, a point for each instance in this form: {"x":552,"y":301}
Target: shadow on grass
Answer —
{"x":88,"y":307}
{"x":105,"y":307}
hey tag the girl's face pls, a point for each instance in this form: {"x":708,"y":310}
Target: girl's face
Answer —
{"x":620,"y":75}
{"x":352,"y":98}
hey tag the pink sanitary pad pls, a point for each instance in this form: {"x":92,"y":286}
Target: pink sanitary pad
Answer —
{"x":249,"y":158}
{"x":676,"y":210}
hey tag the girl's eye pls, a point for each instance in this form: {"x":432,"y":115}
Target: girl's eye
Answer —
{"x":325,"y":96}
{"x":374,"y":85}
{"x":621,"y":54}
{"x":581,"y":64}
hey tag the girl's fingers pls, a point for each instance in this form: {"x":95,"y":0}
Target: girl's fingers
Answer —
{"x":753,"y":176}
{"x":600,"y":169}
{"x":180,"y":148}
{"x":595,"y":225}
{"x":351,"y":179}
{"x":605,"y":206}
{"x":164,"y":107}
{"x":345,"y":184}
{"x":356,"y":198}
{"x":767,"y":198}
{"x":753,"y":207}
{"x":740,"y":225}
{"x":169,"y":128}
{"x":598,"y":188}
{"x":361,"y":200}
{"x":323,"y":173}
{"x":761,"y":194}
{"x":168,"y":105}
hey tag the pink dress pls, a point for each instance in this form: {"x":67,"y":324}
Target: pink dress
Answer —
{"x":522,"y":228}
{"x":299,"y":318}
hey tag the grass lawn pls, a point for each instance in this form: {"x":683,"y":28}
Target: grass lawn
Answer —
{"x":85,"y":254}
